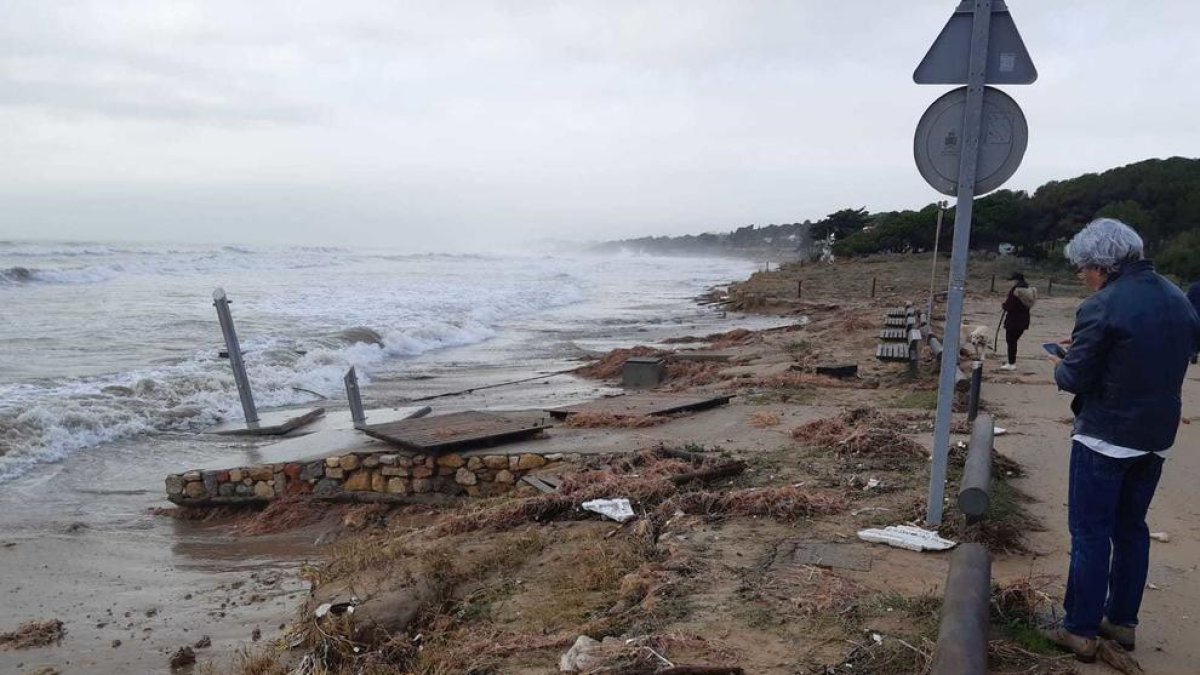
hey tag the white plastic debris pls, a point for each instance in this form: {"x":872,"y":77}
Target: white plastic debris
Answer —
{"x":580,"y":656}
{"x":619,"y":510}
{"x":1160,"y":536}
{"x":907,"y":537}
{"x":334,"y":608}
{"x":872,"y":484}
{"x":877,"y":638}
{"x":999,"y":431}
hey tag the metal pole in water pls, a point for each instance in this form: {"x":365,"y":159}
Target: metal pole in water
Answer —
{"x":352,"y":395}
{"x":968,"y":167}
{"x":221,"y":302}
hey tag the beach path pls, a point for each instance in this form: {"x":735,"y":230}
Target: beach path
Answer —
{"x":1038,"y":418}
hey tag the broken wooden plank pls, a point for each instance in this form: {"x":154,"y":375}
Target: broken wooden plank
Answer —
{"x":541,"y":485}
{"x":641,"y":405}
{"x":456,"y":431}
{"x":702,"y":356}
{"x":839,"y":370}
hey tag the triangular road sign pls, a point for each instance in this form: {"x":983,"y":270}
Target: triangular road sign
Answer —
{"x":947,"y":60}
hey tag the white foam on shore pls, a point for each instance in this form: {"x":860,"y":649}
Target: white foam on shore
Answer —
{"x":103,"y":362}
{"x":48,"y":421}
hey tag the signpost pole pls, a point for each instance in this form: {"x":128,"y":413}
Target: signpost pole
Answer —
{"x":972,"y":123}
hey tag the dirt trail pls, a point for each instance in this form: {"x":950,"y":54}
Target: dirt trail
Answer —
{"x":1038,"y":416}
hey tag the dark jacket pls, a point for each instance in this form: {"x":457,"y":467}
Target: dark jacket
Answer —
{"x":1129,"y":354}
{"x":1194,"y":295}
{"x":1016,"y":315}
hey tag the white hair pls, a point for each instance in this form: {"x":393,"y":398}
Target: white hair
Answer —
{"x":1105,"y":243}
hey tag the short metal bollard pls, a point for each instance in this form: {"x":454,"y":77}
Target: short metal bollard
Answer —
{"x":643,"y":372}
{"x":221,"y":302}
{"x":975,"y":490}
{"x":962,"y":635}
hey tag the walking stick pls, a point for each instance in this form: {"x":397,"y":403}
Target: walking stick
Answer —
{"x":996,"y":340}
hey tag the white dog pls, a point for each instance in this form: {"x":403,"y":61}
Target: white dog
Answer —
{"x":975,"y":335}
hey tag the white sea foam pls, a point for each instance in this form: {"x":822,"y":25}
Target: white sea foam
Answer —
{"x":133,"y":350}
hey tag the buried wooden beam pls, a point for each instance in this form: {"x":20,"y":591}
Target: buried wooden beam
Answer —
{"x":962,"y":636}
{"x":975,"y":490}
{"x":726,"y":470}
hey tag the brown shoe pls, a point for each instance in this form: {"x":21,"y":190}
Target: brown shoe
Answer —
{"x":1083,"y":648}
{"x":1126,"y":636}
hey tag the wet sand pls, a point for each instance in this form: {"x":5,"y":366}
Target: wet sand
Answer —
{"x":81,"y":545}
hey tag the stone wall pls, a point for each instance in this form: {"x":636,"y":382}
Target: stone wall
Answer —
{"x":380,"y":473}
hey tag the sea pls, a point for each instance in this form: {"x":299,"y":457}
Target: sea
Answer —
{"x":103,"y":342}
{"x":111,"y":374}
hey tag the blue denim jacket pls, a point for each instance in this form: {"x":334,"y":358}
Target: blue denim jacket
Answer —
{"x":1129,"y":354}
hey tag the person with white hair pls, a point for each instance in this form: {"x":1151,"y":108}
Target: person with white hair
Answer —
{"x":1126,"y":364}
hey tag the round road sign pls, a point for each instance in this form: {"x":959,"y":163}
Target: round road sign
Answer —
{"x":939,"y":140}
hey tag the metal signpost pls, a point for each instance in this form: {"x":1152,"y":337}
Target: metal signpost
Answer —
{"x":221,"y":302}
{"x":968,"y":142}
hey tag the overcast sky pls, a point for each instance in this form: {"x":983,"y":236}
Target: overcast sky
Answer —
{"x":441,"y":124}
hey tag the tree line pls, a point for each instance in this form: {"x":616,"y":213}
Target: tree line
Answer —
{"x":1160,"y":198}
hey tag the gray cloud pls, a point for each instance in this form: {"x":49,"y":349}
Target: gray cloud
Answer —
{"x":483,"y":122}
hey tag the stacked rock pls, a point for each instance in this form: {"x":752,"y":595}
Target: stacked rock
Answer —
{"x":383,"y":473}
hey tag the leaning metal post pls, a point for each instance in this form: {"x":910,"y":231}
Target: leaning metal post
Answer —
{"x":968,"y":165}
{"x":352,"y":395}
{"x":221,"y":302}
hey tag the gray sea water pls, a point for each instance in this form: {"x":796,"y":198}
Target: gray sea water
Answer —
{"x":110,"y":375}
{"x":102,"y":343}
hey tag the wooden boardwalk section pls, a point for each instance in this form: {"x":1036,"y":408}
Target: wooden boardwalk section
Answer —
{"x":453,"y":432}
{"x":641,"y":405}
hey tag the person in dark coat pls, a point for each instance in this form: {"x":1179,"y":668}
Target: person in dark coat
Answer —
{"x":1016,"y":315}
{"x":1126,"y":364}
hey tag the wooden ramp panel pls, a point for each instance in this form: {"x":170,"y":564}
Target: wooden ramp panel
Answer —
{"x":456,"y":431}
{"x":543,"y":484}
{"x":640,"y":405}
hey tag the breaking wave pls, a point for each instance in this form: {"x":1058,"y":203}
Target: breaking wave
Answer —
{"x":44,"y":422}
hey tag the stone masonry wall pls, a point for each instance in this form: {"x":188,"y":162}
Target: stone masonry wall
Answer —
{"x":382,"y":473}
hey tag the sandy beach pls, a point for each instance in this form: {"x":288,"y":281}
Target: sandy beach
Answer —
{"x":722,"y":582}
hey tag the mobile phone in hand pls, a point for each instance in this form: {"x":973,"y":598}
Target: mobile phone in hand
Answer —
{"x":1055,"y":349}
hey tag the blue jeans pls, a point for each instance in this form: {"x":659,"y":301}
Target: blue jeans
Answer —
{"x":1110,"y":543}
